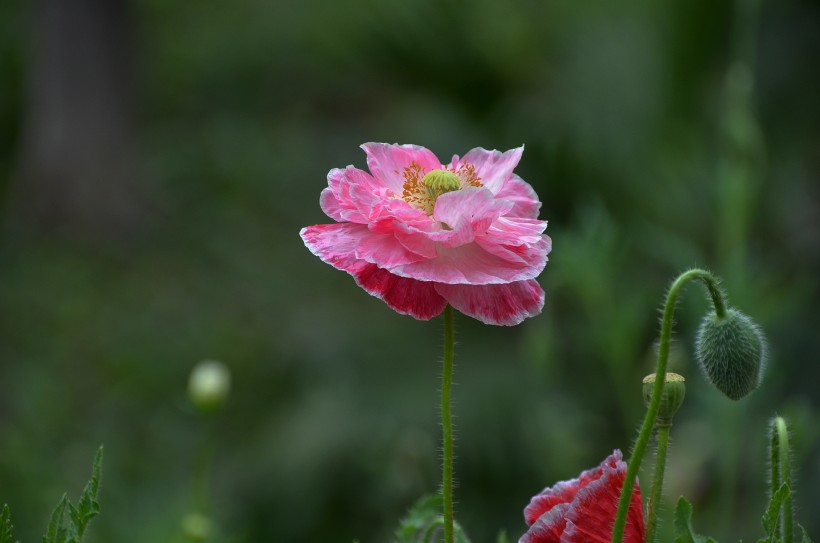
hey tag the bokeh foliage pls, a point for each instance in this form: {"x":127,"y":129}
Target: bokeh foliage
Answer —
{"x":658,"y":135}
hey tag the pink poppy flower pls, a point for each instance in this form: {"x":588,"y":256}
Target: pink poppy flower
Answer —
{"x":420,"y":234}
{"x":583,"y":510}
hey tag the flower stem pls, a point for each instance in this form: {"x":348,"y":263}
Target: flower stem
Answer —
{"x":784,"y":464}
{"x":447,"y":423}
{"x":203,"y":466}
{"x":774,"y":450}
{"x":657,"y":480}
{"x":660,"y":375}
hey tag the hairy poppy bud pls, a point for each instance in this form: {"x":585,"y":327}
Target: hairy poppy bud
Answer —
{"x":732,"y":352}
{"x":674,"y":390}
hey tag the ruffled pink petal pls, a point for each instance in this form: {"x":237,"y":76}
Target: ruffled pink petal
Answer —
{"x":384,"y":250}
{"x":415,"y":240}
{"x":522,"y":195}
{"x":470,"y":264}
{"x":549,"y":526}
{"x":387,"y":162}
{"x":516,"y":240}
{"x":332,"y":207}
{"x":516,"y":230}
{"x":342,"y":244}
{"x":334,"y":243}
{"x":388,"y":212}
{"x":591,"y":515}
{"x":517,"y":254}
{"x":467,"y":213}
{"x":565,"y":491}
{"x":494,"y":168}
{"x":406,"y":296}
{"x":351,"y":195}
{"x":503,"y":305}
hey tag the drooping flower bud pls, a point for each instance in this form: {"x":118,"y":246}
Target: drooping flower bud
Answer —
{"x":732,"y":352}
{"x":209,"y":385}
{"x":674,"y":390}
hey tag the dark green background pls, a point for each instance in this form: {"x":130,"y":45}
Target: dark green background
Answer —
{"x":647,"y":156}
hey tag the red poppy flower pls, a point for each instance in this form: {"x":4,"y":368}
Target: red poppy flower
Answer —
{"x":583,"y":510}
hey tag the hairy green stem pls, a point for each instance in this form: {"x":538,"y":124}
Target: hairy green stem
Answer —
{"x":447,"y":423}
{"x":775,"y":460}
{"x":657,"y":480}
{"x":785,"y":473}
{"x":660,"y":376}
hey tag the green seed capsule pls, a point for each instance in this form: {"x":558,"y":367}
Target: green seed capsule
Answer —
{"x":674,"y":390}
{"x":732,"y":352}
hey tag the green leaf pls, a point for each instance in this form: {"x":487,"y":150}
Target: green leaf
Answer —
{"x":424,"y":523}
{"x":56,"y":533}
{"x":79,"y":516}
{"x":683,"y":522}
{"x":88,"y":507}
{"x":684,"y":532}
{"x":5,"y":525}
{"x":805,"y":538}
{"x":772,"y":515}
{"x":502,"y":537}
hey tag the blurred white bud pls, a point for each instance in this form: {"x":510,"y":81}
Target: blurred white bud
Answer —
{"x":196,"y":526}
{"x":209,"y":385}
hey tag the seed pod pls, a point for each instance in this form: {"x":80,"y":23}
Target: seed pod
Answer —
{"x":732,"y":352}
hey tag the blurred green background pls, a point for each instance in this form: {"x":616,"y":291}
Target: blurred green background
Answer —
{"x":158,"y":158}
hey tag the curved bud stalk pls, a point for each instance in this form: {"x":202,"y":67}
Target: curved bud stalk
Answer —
{"x":735,"y":350}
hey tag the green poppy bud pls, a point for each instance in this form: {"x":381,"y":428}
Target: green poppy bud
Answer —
{"x":732,"y":352}
{"x":209,"y":385}
{"x":674,"y":390}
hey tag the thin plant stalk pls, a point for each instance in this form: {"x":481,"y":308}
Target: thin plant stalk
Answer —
{"x":660,"y":374}
{"x":447,"y":423}
{"x":781,"y":464}
{"x":203,"y":467}
{"x":657,"y":480}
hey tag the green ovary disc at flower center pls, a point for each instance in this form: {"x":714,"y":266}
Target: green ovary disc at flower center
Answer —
{"x":437,"y":182}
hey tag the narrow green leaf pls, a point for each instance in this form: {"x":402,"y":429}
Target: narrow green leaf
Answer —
{"x":55,"y":533}
{"x":772,"y":515}
{"x":502,"y":537}
{"x":88,"y":507}
{"x":5,"y":525}
{"x":805,"y":538}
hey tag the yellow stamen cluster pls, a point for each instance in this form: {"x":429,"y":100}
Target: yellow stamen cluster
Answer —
{"x":420,"y":189}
